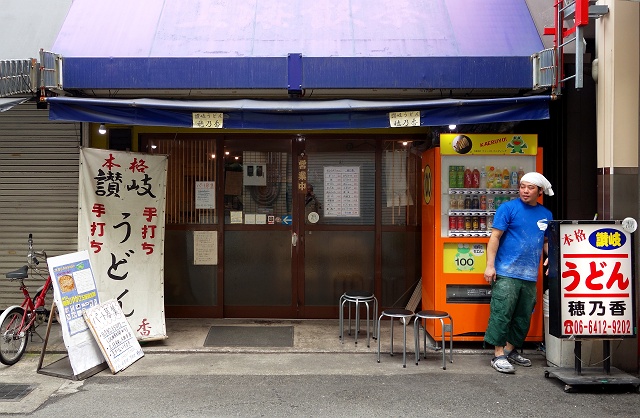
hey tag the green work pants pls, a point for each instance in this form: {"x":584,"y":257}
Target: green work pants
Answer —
{"x":512,"y":303}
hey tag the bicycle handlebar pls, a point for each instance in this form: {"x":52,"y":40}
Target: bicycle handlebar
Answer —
{"x":32,"y":256}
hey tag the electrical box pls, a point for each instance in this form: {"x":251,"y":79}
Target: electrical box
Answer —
{"x":255,"y":174}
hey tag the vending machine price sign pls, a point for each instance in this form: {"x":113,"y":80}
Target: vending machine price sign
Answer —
{"x":594,"y":280}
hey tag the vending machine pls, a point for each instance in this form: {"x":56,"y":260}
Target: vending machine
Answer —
{"x":465,"y":180}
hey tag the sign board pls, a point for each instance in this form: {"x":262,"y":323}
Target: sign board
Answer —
{"x":488,"y":144}
{"x":591,"y":280}
{"x":207,"y":120}
{"x":404,"y":119}
{"x":121,"y":223}
{"x":74,"y":292}
{"x":342,"y":191}
{"x":205,"y":194}
{"x":114,"y":335}
{"x":205,"y":248}
{"x":464,"y":258}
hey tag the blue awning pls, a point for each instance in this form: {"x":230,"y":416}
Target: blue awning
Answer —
{"x":298,"y":45}
{"x":297,"y":114}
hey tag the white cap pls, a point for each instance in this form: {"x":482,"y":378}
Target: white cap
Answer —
{"x":539,"y":180}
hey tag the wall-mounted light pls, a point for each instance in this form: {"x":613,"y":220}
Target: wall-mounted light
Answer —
{"x":102,"y":129}
{"x":452,"y":127}
{"x":154,"y":146}
{"x":405,"y":143}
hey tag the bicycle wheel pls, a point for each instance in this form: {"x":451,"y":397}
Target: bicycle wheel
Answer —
{"x":13,"y":342}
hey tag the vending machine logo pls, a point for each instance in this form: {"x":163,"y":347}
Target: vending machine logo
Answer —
{"x":517,"y":145}
{"x":426,"y":184}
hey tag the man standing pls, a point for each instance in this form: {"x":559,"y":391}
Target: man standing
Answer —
{"x":517,"y":239}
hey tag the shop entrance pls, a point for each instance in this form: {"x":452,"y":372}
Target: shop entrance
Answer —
{"x":261,"y":233}
{"x":297,"y":221}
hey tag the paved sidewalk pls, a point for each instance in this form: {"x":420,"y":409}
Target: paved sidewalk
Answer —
{"x":317,"y":351}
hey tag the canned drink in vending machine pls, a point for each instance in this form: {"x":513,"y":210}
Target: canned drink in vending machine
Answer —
{"x":467,"y":223}
{"x":453,"y":223}
{"x":491,"y":203}
{"x":460,"y":226}
{"x":483,"y":223}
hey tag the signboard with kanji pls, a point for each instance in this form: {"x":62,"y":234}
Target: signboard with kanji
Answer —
{"x":591,"y":280}
{"x":121,"y":224}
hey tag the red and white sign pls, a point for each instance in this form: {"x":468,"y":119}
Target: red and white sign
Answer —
{"x":596,"y":281}
{"x":121,"y":224}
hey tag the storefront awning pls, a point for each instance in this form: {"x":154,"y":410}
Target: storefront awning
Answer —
{"x":299,"y":45}
{"x":8,"y":103}
{"x":297,"y":114}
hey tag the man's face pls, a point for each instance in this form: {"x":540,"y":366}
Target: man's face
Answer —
{"x":529,"y":193}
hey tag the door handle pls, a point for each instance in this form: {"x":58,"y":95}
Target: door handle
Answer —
{"x":294,"y":239}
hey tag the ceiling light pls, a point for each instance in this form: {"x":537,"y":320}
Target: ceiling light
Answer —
{"x":102,"y":129}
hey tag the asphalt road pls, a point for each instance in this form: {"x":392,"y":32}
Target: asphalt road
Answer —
{"x":295,"y":384}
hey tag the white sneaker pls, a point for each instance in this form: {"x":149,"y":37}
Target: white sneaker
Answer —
{"x":515,"y":357}
{"x":502,"y":365}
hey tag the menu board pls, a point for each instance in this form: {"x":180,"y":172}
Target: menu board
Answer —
{"x":342,"y":192}
{"x":75,"y":291}
{"x":114,"y":335}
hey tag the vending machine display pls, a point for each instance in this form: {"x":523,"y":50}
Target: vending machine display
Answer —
{"x":466,"y":179}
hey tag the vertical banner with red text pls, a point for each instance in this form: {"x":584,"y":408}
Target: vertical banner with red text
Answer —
{"x":121,"y":223}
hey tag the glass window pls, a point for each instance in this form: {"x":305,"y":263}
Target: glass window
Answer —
{"x":257,"y":180}
{"x":191,"y":178}
{"x":342,"y":175}
{"x":400,"y":197}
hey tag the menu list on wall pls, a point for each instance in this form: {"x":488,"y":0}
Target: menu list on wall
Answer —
{"x":342,"y":191}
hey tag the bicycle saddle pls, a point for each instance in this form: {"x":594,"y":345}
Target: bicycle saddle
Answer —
{"x":21,"y":273}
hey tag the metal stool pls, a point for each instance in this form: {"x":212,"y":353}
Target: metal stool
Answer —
{"x":357,"y":297}
{"x":428,"y":314}
{"x":405,"y":316}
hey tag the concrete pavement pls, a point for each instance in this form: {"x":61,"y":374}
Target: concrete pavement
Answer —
{"x":317,"y":351}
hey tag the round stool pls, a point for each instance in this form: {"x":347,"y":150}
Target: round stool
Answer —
{"x":357,"y":297}
{"x":428,"y":314}
{"x":405,"y":316}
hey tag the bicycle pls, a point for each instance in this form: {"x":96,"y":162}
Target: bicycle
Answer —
{"x":19,"y":322}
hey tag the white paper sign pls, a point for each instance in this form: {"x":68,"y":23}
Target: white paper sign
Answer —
{"x":342,"y":191}
{"x":114,"y":335}
{"x":404,"y":119}
{"x":74,"y":292}
{"x":205,"y":194}
{"x":205,"y":247}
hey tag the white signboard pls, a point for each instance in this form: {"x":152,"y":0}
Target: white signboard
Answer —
{"x":207,"y":120}
{"x":74,"y":292}
{"x":121,"y":223}
{"x":596,"y":298}
{"x":205,"y":194}
{"x":342,"y":192}
{"x":113,"y":334}
{"x":205,"y":247}
{"x":404,"y":119}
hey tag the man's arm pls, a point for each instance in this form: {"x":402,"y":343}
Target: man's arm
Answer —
{"x":492,"y":250}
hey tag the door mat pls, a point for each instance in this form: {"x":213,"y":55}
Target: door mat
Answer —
{"x":249,"y":336}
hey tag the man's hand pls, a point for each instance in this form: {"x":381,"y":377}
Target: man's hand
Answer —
{"x":490,"y":274}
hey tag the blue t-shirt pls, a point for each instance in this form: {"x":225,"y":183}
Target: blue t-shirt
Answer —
{"x":520,"y":248}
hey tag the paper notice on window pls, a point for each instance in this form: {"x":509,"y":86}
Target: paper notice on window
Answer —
{"x":342,"y":191}
{"x":205,"y":248}
{"x":205,"y":195}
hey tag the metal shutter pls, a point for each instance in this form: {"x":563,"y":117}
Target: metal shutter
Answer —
{"x":39,"y":162}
